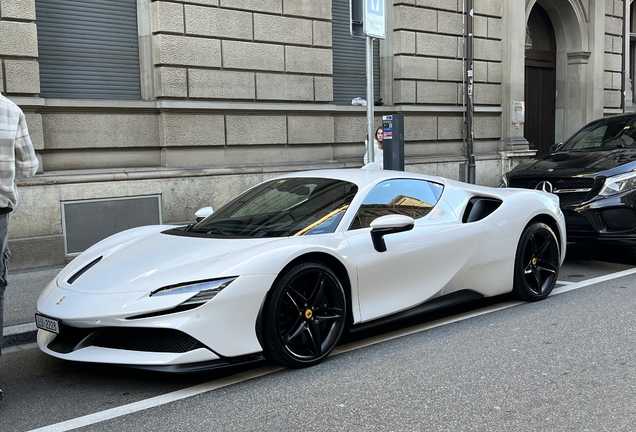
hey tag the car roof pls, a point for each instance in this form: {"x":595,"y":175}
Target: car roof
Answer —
{"x":364,"y":176}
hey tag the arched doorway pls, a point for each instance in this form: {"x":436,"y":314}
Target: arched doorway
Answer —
{"x":540,"y":81}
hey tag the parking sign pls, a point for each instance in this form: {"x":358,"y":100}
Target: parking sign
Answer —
{"x":374,"y":19}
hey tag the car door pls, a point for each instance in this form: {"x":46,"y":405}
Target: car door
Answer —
{"x":418,"y":264}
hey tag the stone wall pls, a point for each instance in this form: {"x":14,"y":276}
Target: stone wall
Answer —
{"x":19,"y":72}
{"x":245,"y":50}
{"x":428,"y":75}
{"x":613,"y":54}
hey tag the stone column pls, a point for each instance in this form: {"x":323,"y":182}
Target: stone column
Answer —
{"x":386,"y":58}
{"x":596,"y":32}
{"x":514,"y":147}
{"x":513,"y":65}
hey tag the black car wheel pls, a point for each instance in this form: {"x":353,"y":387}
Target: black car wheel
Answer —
{"x":303,"y":316}
{"x":536,"y":263}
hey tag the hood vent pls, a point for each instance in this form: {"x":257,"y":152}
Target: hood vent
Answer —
{"x":83,"y":270}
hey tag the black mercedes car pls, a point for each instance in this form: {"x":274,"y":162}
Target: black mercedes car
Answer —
{"x":594,"y":175}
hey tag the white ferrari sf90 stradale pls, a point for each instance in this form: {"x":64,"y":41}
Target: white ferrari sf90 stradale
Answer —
{"x":283,"y":269}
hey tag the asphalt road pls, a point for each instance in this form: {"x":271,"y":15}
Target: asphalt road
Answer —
{"x":564,"y":364}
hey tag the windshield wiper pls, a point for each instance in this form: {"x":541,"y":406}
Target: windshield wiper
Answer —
{"x":217,"y":230}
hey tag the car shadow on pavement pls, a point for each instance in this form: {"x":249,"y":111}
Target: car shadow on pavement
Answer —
{"x":613,"y":254}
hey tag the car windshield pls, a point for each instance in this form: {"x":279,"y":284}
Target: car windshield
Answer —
{"x":603,"y":134}
{"x":283,"y":207}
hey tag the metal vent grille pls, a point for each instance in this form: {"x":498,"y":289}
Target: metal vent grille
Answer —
{"x":558,"y":183}
{"x":572,"y":198}
{"x":146,"y":339}
{"x":620,"y":219}
{"x":86,"y":222}
{"x":131,"y":339}
{"x":576,"y":222}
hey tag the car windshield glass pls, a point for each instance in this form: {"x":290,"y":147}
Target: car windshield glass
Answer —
{"x":283,"y":207}
{"x":603,"y":134}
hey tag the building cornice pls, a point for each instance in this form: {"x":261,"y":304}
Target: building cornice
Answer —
{"x":83,"y":105}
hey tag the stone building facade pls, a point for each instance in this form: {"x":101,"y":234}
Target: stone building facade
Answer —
{"x":227,"y":93}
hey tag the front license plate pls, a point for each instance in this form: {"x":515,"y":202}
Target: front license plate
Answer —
{"x":48,"y":324}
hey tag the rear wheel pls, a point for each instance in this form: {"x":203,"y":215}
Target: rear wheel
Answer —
{"x":537,"y":263}
{"x":303,"y":316}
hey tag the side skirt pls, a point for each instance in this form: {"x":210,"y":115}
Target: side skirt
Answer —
{"x":448,"y":300}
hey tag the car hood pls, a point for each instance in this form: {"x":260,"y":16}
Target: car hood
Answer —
{"x":149,"y":262}
{"x":580,"y":163}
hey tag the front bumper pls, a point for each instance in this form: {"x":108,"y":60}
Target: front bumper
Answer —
{"x":99,"y":332}
{"x":609,"y":220}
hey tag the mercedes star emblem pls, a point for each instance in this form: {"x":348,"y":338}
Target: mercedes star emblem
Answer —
{"x":545,"y":186}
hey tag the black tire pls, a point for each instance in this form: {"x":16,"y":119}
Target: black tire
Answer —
{"x":537,"y":263}
{"x":303,"y":316}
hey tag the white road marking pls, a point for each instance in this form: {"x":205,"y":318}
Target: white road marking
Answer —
{"x":156,"y":401}
{"x":582,"y":284}
{"x":123,"y":410}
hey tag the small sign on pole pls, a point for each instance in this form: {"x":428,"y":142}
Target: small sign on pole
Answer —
{"x":356,"y":13}
{"x":374,"y":21}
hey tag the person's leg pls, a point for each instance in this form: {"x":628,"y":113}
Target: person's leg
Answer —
{"x":4,"y":258}
{"x":2,"y":288}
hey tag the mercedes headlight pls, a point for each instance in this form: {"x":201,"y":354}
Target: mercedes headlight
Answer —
{"x":204,"y":290}
{"x":618,"y":184}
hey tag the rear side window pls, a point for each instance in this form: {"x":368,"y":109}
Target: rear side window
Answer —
{"x":414,"y":198}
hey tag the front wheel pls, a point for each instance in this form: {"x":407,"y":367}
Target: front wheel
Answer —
{"x":303,"y":316}
{"x":537,"y":263}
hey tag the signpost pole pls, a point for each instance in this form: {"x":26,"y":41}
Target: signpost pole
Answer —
{"x":370,"y":128}
{"x":368,"y":20}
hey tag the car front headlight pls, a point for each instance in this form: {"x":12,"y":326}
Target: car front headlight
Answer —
{"x":618,"y":184}
{"x":503,"y":181}
{"x":205,"y":290}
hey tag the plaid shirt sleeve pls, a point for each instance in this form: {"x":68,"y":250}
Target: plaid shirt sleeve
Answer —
{"x":17,"y":157}
{"x":26,"y":164}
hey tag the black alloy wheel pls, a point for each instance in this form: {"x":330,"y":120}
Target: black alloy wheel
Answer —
{"x":537,"y":263}
{"x":303,"y":316}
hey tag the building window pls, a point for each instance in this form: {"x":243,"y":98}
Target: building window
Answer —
{"x":349,"y":59}
{"x":88,"y":49}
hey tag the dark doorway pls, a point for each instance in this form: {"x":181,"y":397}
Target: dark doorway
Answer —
{"x":540,"y":81}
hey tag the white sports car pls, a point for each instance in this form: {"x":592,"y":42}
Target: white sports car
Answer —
{"x":283,"y":269}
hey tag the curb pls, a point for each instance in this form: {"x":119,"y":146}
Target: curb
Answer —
{"x":19,"y":334}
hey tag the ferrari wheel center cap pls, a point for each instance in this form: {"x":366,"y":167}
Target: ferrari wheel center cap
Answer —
{"x":308,"y":314}
{"x":534,"y":261}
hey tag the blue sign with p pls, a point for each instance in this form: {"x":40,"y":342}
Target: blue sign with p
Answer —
{"x":375,"y":7}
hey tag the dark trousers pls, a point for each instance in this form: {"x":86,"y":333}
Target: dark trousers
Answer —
{"x":4,"y":261}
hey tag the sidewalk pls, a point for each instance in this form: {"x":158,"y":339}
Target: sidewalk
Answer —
{"x":20,"y":299}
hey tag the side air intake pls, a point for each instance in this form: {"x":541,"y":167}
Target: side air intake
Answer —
{"x":479,"y":208}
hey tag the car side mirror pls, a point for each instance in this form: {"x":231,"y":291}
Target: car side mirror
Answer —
{"x":202,"y":213}
{"x":389,"y":224}
{"x":556,"y":147}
